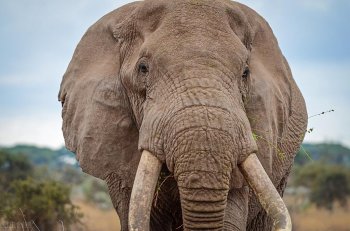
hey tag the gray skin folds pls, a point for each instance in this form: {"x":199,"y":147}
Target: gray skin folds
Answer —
{"x":201,"y":85}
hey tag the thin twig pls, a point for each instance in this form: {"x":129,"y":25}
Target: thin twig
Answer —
{"x":25,"y":222}
{"x":35,"y":225}
{"x":280,"y":153}
{"x":322,"y":113}
{"x":21,"y":226}
{"x":62,"y":224}
{"x":306,"y":153}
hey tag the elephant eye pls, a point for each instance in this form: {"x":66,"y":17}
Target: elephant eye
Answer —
{"x":143,"y":68}
{"x":246,"y":73}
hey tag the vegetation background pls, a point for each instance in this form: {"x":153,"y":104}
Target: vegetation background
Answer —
{"x":44,"y":189}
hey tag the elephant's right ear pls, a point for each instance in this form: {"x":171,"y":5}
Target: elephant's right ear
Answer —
{"x":97,"y":122}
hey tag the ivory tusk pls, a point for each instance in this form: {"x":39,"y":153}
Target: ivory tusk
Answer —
{"x":266,"y":192}
{"x":143,"y":191}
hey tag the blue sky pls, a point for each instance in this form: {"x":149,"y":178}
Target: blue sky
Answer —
{"x":38,"y":38}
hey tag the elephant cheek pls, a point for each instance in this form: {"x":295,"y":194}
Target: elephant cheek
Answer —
{"x":151,"y":132}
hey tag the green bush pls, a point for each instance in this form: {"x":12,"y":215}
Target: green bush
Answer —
{"x":35,"y":203}
{"x":13,"y":167}
{"x":327,"y":183}
{"x":46,"y":204}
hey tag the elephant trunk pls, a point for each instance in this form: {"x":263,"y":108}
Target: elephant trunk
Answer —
{"x":205,"y":138}
{"x":203,"y":209}
{"x":203,"y":168}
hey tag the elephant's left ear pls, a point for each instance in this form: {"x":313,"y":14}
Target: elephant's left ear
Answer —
{"x":97,"y":124}
{"x":274,"y":105}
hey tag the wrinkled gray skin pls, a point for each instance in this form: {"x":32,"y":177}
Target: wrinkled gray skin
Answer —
{"x":193,"y":82}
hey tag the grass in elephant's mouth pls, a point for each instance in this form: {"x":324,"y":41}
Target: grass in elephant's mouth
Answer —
{"x":161,"y":181}
{"x":164,"y":177}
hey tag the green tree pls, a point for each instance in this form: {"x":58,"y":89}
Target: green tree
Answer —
{"x":330,"y":187}
{"x":327,"y":183}
{"x":47,"y":204}
{"x":13,"y":167}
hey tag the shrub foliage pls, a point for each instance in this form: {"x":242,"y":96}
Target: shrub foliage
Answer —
{"x":327,"y":183}
{"x":43,"y":203}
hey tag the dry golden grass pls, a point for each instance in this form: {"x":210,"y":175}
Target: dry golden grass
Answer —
{"x":96,"y":219}
{"x":311,"y":219}
{"x":321,"y":220}
{"x":315,"y":219}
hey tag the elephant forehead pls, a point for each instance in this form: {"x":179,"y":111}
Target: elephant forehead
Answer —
{"x":181,"y":16}
{"x":196,"y":32}
{"x":187,"y":14}
{"x":208,"y":18}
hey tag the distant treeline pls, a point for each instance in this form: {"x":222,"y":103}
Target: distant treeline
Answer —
{"x":43,"y":156}
{"x":330,"y":153}
{"x":327,"y":153}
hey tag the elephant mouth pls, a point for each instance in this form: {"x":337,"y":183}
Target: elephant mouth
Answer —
{"x":146,"y":179}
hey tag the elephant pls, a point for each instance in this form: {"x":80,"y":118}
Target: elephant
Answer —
{"x":188,"y":111}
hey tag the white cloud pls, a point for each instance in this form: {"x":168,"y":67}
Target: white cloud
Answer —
{"x":52,"y":31}
{"x":41,"y":130}
{"x":316,"y":5}
{"x":51,"y":74}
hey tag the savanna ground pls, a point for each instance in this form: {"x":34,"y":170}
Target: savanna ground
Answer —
{"x":96,"y":218}
{"x":309,"y":218}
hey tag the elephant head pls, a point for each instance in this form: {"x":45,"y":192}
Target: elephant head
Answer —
{"x":198,"y":86}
